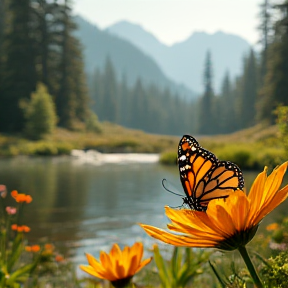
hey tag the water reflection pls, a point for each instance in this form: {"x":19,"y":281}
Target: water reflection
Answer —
{"x":82,"y":207}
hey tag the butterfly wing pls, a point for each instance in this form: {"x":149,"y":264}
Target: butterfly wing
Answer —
{"x":203,"y":176}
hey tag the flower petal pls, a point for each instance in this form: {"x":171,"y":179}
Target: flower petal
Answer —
{"x":178,"y":240}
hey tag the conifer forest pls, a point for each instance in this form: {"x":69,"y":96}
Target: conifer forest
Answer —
{"x":38,"y":45}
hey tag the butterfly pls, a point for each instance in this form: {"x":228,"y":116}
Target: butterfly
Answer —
{"x":203,"y":176}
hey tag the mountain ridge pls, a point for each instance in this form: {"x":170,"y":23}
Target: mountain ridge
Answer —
{"x":127,"y":59}
{"x":183,"y":61}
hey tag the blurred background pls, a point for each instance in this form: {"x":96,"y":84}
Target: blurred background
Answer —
{"x":204,"y":67}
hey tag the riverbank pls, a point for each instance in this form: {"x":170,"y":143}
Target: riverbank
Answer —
{"x":112,"y":139}
{"x":250,"y":148}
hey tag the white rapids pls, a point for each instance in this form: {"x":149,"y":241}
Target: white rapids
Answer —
{"x":97,"y":158}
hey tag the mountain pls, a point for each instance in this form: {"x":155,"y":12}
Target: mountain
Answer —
{"x":184,"y":62}
{"x":127,"y":59}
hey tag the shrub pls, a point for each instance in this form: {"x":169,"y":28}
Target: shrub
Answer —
{"x":40,"y":114}
{"x":92,"y":123}
{"x":168,"y":158}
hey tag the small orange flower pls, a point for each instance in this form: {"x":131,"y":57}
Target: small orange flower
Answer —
{"x":21,"y":198}
{"x":59,"y":258}
{"x":49,"y":246}
{"x":22,"y":228}
{"x":14,"y":227}
{"x":272,"y":227}
{"x":33,"y":248}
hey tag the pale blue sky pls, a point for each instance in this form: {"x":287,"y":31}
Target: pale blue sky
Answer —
{"x":175,"y":20}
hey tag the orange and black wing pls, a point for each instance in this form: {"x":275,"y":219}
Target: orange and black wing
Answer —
{"x":203,"y":176}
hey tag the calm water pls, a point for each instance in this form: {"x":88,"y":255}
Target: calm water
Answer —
{"x":84,"y":207}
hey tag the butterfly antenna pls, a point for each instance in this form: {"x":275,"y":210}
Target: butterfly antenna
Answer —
{"x":163,"y":184}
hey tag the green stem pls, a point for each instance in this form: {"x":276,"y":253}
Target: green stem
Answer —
{"x":250,"y":266}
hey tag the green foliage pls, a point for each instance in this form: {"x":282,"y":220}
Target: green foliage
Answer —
{"x":139,"y":106}
{"x":40,"y":114}
{"x":184,"y":266}
{"x":275,"y":272}
{"x":14,"y":270}
{"x":168,"y":158}
{"x":92,"y":123}
{"x":282,"y":122}
{"x":206,"y":120}
{"x":38,"y":44}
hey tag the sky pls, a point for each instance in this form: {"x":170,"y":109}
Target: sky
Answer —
{"x":173,"y":21}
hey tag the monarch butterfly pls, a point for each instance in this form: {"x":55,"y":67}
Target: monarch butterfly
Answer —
{"x":203,"y":176}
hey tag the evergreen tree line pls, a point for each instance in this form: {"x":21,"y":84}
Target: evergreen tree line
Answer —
{"x":250,"y":98}
{"x":253,"y":96}
{"x":37,"y":46}
{"x":145,"y":107}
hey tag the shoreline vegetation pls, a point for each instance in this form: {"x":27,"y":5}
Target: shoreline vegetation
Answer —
{"x":249,"y":149}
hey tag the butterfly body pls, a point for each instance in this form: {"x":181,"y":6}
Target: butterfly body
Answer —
{"x":203,"y":176}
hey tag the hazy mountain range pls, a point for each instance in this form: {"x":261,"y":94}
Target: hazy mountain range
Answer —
{"x":184,"y":62}
{"x":128,"y":60}
{"x":137,"y":53}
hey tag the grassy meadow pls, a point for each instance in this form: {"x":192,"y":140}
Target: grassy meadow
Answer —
{"x":251,"y":148}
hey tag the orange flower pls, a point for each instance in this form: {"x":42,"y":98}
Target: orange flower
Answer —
{"x":14,"y":227}
{"x":118,"y":266}
{"x":228,"y":223}
{"x":21,"y":198}
{"x":49,"y":246}
{"x":33,"y":248}
{"x":272,"y":227}
{"x":22,"y":228}
{"x":59,"y":258}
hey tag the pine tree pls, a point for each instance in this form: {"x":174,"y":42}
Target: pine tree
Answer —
{"x":40,"y":114}
{"x":71,"y":97}
{"x":247,"y":105}
{"x":206,"y":124}
{"x":266,"y":30}
{"x":20,"y":73}
{"x":275,"y":89}
{"x":226,"y":107}
{"x":109,"y":92}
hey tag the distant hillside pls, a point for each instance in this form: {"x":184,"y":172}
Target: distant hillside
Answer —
{"x":126,"y":58}
{"x":184,"y":61}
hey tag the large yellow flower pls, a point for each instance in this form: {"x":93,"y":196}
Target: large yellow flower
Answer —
{"x":118,"y":266}
{"x":228,"y":223}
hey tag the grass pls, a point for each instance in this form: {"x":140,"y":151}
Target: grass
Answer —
{"x":250,"y":148}
{"x":112,"y":139}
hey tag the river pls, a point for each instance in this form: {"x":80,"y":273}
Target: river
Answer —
{"x":82,"y":207}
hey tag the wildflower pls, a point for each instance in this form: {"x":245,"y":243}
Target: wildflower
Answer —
{"x":229,"y":223}
{"x":59,"y":258}
{"x":33,"y":248}
{"x":3,"y":191}
{"x":49,"y":246}
{"x":11,"y":210}
{"x":226,"y":224}
{"x":118,"y":266}
{"x":14,"y":227}
{"x":22,"y":228}
{"x":272,"y":227}
{"x":21,"y":197}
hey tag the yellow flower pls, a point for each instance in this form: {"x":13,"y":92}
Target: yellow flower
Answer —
{"x":228,"y":223}
{"x":118,"y":266}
